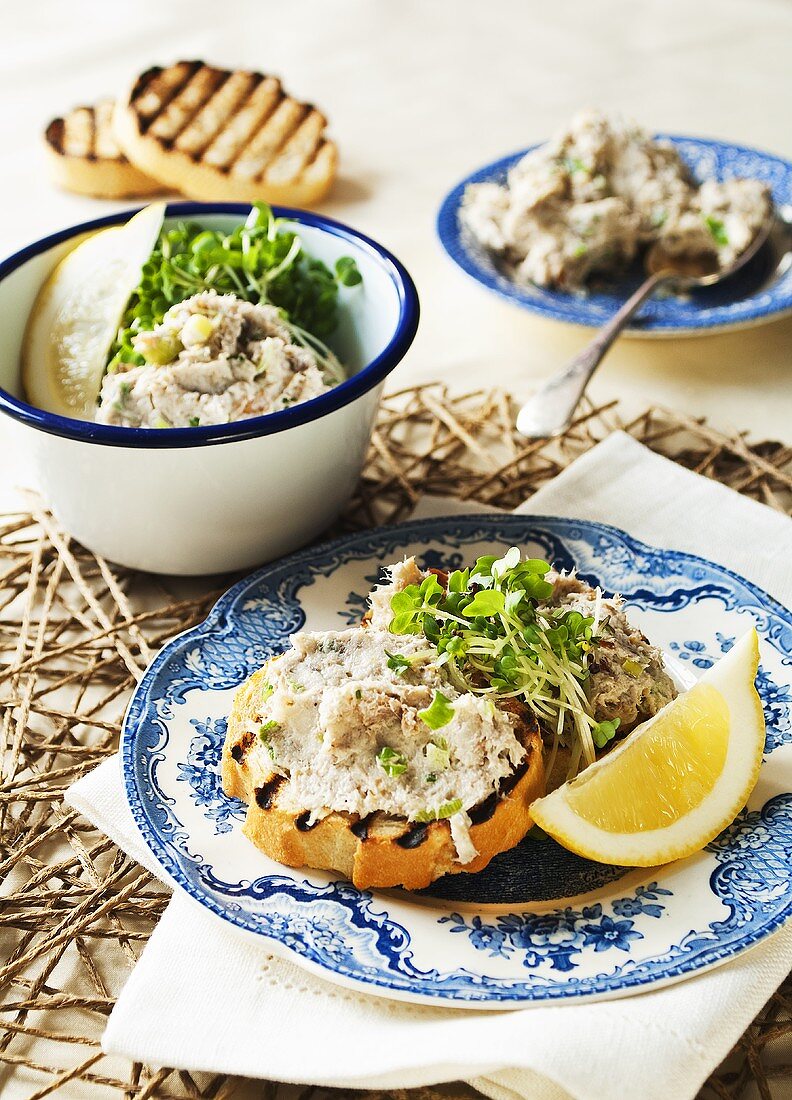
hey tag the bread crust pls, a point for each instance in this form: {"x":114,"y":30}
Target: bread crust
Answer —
{"x":378,"y":851}
{"x":83,"y":158}
{"x":218,"y":134}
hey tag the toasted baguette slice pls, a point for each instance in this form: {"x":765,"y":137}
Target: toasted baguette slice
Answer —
{"x":378,"y":850}
{"x":84,"y":156}
{"x":219,"y":134}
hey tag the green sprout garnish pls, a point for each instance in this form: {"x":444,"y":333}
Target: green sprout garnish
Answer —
{"x":261,"y":261}
{"x":717,"y":230}
{"x":497,"y":637}
{"x":439,"y":712}
{"x":392,"y":761}
{"x":448,"y":809}
{"x":397,"y":662}
{"x":605,"y":731}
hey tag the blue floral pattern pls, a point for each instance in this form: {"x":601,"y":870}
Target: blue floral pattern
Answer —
{"x":740,"y":888}
{"x":557,"y":937}
{"x":202,"y":772}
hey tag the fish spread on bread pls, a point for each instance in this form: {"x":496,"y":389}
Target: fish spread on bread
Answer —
{"x":367,"y":751}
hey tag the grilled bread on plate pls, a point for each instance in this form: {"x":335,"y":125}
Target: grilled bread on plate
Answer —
{"x":218,"y":134}
{"x":84,"y":156}
{"x":349,"y":760}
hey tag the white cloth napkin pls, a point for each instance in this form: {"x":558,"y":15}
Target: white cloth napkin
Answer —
{"x":205,"y":996}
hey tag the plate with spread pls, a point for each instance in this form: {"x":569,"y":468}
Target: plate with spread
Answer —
{"x":561,"y":230}
{"x":538,"y":923}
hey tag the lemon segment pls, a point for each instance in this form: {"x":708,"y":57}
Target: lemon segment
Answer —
{"x":676,"y":781}
{"x":77,"y":314}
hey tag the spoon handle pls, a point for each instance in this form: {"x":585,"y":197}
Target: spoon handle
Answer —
{"x":550,"y":410}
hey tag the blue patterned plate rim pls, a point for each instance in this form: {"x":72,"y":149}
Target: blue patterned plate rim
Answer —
{"x":734,"y":304}
{"x":397,"y":977}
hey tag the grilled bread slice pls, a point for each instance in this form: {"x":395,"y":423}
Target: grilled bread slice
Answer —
{"x":84,"y":156}
{"x":378,"y":850}
{"x":219,"y":134}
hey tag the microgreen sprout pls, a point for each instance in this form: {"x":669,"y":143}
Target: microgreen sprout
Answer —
{"x":498,"y":636}
{"x":260,"y":261}
{"x":398,"y":663}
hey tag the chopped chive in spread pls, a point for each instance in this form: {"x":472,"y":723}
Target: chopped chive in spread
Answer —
{"x":574,"y":164}
{"x":265,"y":729}
{"x":397,"y":662}
{"x":195,"y":421}
{"x":431,"y":778}
{"x":392,"y":761}
{"x":266,"y":690}
{"x":579,"y":250}
{"x":296,"y":687}
{"x":358,"y":693}
{"x":439,"y":712}
{"x":717,"y":230}
{"x":437,"y":755}
{"x":448,"y":809}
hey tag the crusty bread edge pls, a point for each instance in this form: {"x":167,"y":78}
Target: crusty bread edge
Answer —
{"x":200,"y":181}
{"x":100,"y":178}
{"x":372,"y":861}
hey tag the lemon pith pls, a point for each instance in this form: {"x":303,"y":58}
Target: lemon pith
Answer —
{"x":675,"y":782}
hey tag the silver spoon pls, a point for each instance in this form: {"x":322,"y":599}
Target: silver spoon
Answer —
{"x":550,"y":410}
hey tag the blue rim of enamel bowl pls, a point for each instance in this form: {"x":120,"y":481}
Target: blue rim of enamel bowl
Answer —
{"x":360,"y":383}
{"x":659,"y":317}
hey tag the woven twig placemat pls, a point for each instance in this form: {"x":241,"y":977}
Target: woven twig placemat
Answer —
{"x":76,"y":635}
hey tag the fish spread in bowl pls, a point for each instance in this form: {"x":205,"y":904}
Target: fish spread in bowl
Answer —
{"x":591,"y":199}
{"x":142,"y":326}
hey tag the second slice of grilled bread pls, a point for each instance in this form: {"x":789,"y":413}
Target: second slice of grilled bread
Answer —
{"x":218,"y":134}
{"x":379,"y":850}
{"x":84,"y":156}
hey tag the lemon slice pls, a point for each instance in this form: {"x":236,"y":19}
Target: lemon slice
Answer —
{"x":78,"y":312}
{"x":676,"y":781}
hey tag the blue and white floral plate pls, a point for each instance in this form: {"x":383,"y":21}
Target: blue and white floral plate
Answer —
{"x":539,"y":924}
{"x":761,"y":292}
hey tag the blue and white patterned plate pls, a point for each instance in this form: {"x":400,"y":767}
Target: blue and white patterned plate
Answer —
{"x":539,"y":924}
{"x":758,"y":293}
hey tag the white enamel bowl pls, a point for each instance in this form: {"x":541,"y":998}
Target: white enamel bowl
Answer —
{"x":214,"y":499}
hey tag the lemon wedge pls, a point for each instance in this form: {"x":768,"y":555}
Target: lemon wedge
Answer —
{"x":78,"y":311}
{"x":676,"y":781}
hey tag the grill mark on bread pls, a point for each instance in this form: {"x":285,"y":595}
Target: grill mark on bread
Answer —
{"x":242,"y":747}
{"x":484,"y":810}
{"x":414,"y":836}
{"x":304,"y":823}
{"x":266,"y":794}
{"x":187,"y":105}
{"x":235,"y":135}
{"x":265,"y":144}
{"x":215,"y":114}
{"x":361,"y":828}
{"x":156,"y":87}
